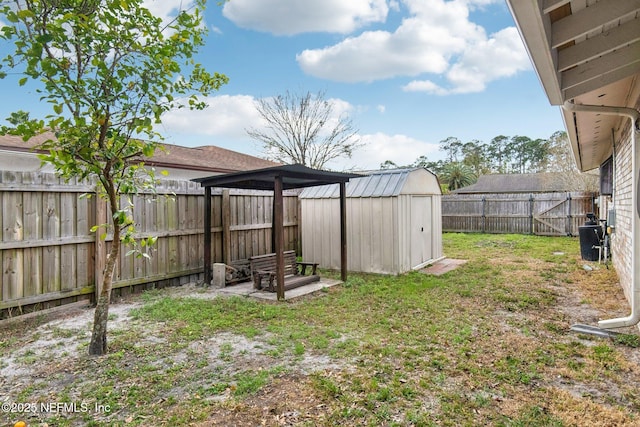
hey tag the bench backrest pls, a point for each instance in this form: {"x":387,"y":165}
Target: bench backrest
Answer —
{"x":268,"y":263}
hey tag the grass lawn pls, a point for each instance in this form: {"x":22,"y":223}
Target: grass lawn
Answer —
{"x":486,"y":344}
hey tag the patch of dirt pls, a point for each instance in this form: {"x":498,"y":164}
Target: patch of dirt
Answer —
{"x":289,"y":400}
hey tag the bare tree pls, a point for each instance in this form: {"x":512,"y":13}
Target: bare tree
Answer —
{"x":304,"y":129}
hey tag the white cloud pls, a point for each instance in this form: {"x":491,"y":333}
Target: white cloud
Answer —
{"x":340,"y":106}
{"x":500,"y":56}
{"x":226,"y":116}
{"x":288,"y":17}
{"x":424,"y":86}
{"x":436,"y":38}
{"x":167,"y":9}
{"x":379,"y":147}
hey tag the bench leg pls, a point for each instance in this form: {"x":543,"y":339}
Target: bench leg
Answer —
{"x":257,"y":279}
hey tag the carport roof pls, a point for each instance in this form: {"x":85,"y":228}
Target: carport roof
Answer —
{"x":293,"y":176}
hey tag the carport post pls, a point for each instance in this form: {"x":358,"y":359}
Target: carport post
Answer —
{"x":343,"y":231}
{"x":207,"y":236}
{"x":278,"y":223}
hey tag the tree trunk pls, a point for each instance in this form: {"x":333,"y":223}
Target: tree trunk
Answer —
{"x":98,"y":345}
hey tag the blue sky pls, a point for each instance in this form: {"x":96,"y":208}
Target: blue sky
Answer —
{"x":409,"y":73}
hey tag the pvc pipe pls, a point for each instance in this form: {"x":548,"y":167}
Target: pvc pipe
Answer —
{"x":634,"y":317}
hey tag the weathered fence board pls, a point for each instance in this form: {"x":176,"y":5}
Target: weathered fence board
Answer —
{"x":48,"y":255}
{"x":549,"y":214}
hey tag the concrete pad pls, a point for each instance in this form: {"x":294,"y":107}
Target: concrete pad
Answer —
{"x":240,"y":289}
{"x":246,"y":289}
{"x":443,"y":266}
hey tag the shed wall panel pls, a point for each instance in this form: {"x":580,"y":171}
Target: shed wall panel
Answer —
{"x":379,"y":234}
{"x":321,"y":243}
{"x":404,"y":233}
{"x":354,"y":246}
{"x":436,"y":220}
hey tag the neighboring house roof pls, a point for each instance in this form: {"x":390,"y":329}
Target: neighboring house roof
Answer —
{"x":531,"y":183}
{"x":207,"y":158}
{"x":382,"y":183}
{"x":585,"y":52}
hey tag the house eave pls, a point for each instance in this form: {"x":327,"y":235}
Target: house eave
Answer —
{"x":586,"y":52}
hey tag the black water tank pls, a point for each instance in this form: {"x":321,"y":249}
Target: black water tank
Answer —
{"x":589,"y":237}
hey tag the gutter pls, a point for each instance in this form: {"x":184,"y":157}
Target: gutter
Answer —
{"x":634,"y":317}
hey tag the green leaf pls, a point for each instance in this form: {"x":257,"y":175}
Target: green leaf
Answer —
{"x":25,"y":13}
{"x":58,"y":108}
{"x":44,"y":38}
{"x":94,"y":228}
{"x":23,"y":81}
{"x":148,"y":150}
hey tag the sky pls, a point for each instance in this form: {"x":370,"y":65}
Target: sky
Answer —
{"x":408,"y":73}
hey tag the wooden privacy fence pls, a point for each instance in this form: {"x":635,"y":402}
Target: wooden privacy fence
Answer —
{"x":49,"y":257}
{"x":547,"y":214}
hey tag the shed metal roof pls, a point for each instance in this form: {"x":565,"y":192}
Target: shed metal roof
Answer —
{"x":383,"y":183}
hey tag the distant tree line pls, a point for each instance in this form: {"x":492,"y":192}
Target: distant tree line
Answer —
{"x":465,"y":161}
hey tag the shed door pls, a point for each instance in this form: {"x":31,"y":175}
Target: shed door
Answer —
{"x":421,"y":232}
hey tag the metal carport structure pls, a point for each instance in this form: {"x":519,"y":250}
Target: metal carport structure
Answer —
{"x":275,"y":179}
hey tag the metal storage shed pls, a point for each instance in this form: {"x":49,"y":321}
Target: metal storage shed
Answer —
{"x":393,"y":222}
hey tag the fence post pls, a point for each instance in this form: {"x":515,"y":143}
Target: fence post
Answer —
{"x":569,"y":227}
{"x":226,"y":226}
{"x":484,"y":214}
{"x":531,"y":223}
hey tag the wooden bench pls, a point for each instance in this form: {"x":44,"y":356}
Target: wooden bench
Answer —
{"x":263,"y":271}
